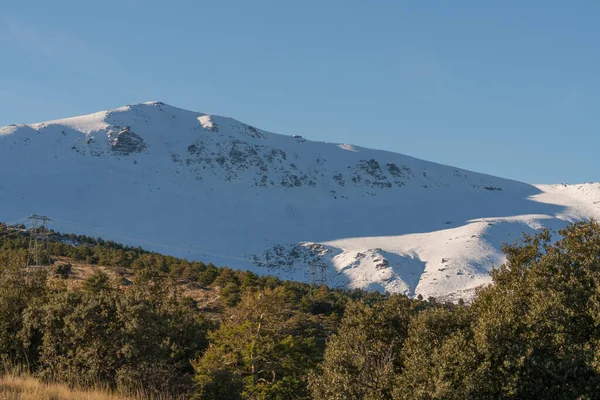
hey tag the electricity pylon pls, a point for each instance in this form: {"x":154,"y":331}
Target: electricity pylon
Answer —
{"x":319,"y":273}
{"x":37,"y":255}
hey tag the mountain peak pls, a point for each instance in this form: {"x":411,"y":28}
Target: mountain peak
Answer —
{"x":208,"y":187}
{"x":155,"y":103}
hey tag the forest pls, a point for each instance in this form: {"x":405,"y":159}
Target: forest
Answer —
{"x":534,"y":333}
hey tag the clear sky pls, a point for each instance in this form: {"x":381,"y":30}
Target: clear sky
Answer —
{"x":509,"y":88}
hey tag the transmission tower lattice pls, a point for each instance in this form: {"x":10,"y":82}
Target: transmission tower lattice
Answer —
{"x":37,"y":255}
{"x":319,"y":273}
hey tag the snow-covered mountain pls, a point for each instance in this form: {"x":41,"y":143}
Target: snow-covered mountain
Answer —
{"x":212,"y":188}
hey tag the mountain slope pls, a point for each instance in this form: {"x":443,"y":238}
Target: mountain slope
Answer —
{"x":213,"y":188}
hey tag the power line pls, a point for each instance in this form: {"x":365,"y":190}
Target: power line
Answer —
{"x":11,"y":228}
{"x":38,"y":244}
{"x":119,"y":236}
{"x":318,"y":271}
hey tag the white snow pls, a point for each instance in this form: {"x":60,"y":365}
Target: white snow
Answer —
{"x":206,"y":122}
{"x":212,"y":188}
{"x":348,"y":147}
{"x":85,"y":124}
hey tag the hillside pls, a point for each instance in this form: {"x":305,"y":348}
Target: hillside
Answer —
{"x":215,"y":189}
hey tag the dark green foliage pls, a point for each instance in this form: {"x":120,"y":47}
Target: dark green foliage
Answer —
{"x":143,"y":337}
{"x":533,"y":334}
{"x":226,"y":276}
{"x":250,"y":281}
{"x":97,"y":283}
{"x":363,"y":358}
{"x":62,"y":270}
{"x":262,"y":349}
{"x":538,"y":328}
{"x":209,"y":275}
{"x":437,"y":356}
{"x":20,"y":289}
{"x":230,"y":294}
{"x":220,"y":384}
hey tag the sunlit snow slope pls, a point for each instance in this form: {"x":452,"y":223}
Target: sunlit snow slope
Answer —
{"x":213,"y":188}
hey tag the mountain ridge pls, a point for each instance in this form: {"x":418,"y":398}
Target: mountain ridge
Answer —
{"x":154,"y":175}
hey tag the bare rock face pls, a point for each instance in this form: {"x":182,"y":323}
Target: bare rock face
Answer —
{"x":287,"y":257}
{"x":127,"y":142}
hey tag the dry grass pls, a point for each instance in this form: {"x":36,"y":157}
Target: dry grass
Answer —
{"x":13,"y":387}
{"x":18,"y":385}
{"x":25,"y":387}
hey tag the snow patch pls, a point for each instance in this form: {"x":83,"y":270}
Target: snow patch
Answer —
{"x":8,"y":130}
{"x":207,"y":123}
{"x":348,"y":147}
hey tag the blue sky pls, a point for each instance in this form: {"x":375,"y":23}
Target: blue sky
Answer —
{"x":508,"y":88}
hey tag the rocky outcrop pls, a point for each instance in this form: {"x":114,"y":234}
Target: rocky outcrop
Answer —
{"x":126,"y":142}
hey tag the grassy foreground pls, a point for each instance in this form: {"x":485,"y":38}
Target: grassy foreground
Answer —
{"x":22,"y":387}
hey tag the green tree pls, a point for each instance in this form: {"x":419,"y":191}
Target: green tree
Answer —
{"x":362,"y":359}
{"x":439,"y":359}
{"x":226,"y":276}
{"x":80,"y":335}
{"x":143,"y":337}
{"x":20,"y":288}
{"x":533,"y":334}
{"x":97,"y":282}
{"x":538,"y":326}
{"x":250,"y":281}
{"x":259,"y":349}
{"x":230,"y":294}
{"x":208,"y":276}
{"x":62,"y":270}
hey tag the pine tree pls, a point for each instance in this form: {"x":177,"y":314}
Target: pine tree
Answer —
{"x":260,"y":350}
